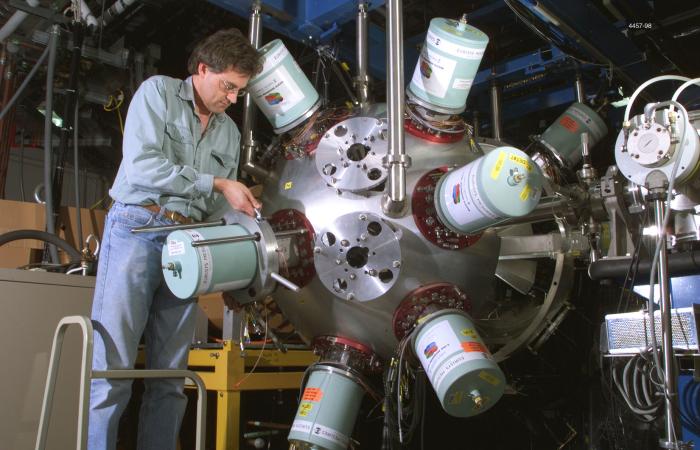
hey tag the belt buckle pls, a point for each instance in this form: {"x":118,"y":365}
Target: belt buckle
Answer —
{"x":172,"y":216}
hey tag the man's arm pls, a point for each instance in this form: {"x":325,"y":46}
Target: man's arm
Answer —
{"x":237,"y":195}
{"x":147,"y":167}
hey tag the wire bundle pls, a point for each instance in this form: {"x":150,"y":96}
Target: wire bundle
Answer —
{"x":404,"y":401}
{"x":642,"y":393}
{"x":435,"y":122}
{"x":302,"y":141}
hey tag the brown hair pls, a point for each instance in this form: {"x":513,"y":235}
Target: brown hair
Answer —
{"x":226,"y":49}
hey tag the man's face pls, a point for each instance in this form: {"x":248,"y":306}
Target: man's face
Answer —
{"x":219,"y":90}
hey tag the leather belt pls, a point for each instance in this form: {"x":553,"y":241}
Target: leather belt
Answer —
{"x":172,"y":215}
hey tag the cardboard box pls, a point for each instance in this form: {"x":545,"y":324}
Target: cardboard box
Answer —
{"x":30,"y":216}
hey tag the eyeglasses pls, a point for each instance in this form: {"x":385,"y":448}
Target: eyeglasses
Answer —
{"x":232,"y":89}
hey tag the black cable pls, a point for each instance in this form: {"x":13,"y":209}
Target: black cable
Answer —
{"x":42,"y":236}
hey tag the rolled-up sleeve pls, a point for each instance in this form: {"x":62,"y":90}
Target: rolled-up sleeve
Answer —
{"x":146,"y":166}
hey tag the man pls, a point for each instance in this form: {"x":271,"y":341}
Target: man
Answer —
{"x":180,"y":157}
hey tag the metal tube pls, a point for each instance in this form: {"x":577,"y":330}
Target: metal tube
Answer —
{"x":284,"y":282}
{"x":280,"y":234}
{"x":546,"y":209}
{"x":362,"y":80}
{"x":496,"y":111}
{"x":227,"y":240}
{"x":671,"y":397}
{"x":248,"y":143}
{"x":15,"y":21}
{"x":24,"y":84}
{"x":48,"y":147}
{"x":394,"y":202}
{"x":76,"y":176}
{"x":584,"y":148}
{"x":70,"y":99}
{"x":578,"y":86}
{"x":189,"y":226}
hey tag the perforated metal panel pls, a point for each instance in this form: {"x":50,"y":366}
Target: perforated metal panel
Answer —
{"x":631,"y":332}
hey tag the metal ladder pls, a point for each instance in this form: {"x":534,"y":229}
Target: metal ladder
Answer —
{"x":87,"y":374}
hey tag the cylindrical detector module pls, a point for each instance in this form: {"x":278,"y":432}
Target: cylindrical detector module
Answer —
{"x":328,"y":409}
{"x":563,"y":137}
{"x":460,"y":368}
{"x":281,"y":90}
{"x":447,"y":65}
{"x":503,"y":184}
{"x":190,"y":271}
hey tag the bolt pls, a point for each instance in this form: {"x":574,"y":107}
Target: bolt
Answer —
{"x":317,"y":250}
{"x":338,"y":262}
{"x":350,"y":296}
{"x":363,"y":237}
{"x":363,"y":216}
{"x":372,"y":273}
{"x":353,"y":276}
{"x":346,"y":164}
{"x":344,"y":242}
{"x":396,"y":264}
{"x":477,"y":398}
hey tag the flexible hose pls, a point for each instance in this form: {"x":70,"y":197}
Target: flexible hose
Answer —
{"x":644,"y":85}
{"x":50,"y":238}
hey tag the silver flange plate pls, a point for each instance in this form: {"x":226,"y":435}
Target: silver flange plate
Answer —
{"x":349,"y":156}
{"x":358,"y":257}
{"x":636,"y":160}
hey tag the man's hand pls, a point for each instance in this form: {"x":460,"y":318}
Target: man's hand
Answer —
{"x":237,"y":195}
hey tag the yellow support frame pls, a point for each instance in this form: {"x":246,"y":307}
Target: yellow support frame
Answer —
{"x":225,"y":371}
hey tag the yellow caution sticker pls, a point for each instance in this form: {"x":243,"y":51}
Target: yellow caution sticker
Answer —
{"x":288,"y":185}
{"x":305,"y":408}
{"x":456,"y":398}
{"x":496,"y":171}
{"x":470,"y":332}
{"x":525,"y":193}
{"x":491,"y":379}
{"x":520,"y":160}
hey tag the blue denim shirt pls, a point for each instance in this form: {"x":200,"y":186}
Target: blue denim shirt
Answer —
{"x":166,"y":160}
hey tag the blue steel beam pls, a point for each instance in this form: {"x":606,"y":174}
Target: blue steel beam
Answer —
{"x":593,"y":32}
{"x":308,"y":21}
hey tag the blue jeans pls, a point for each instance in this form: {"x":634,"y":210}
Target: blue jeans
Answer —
{"x":131,"y":300}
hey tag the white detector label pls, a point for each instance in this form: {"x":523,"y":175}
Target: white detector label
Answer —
{"x":433,"y":72}
{"x":176,"y":248}
{"x":205,"y":262}
{"x":437,"y":344}
{"x":277,"y":93}
{"x":462,"y":199}
{"x":460,"y":51}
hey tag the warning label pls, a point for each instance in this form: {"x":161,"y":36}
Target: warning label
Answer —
{"x":569,"y":123}
{"x":312,"y":394}
{"x":472,"y":346}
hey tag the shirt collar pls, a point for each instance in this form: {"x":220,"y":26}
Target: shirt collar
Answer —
{"x":187,"y":93}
